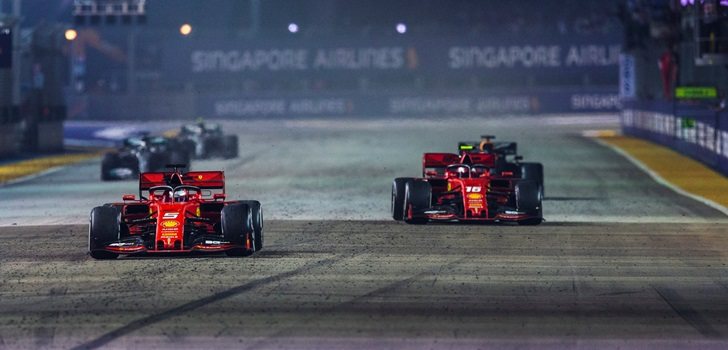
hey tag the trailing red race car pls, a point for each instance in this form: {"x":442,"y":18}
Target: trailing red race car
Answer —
{"x":468,"y":188}
{"x":177,"y":213}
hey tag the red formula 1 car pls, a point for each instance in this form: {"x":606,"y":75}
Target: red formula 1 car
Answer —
{"x":468,"y":188}
{"x":176,"y":213}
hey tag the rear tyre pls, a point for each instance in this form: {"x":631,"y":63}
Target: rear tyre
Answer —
{"x":528,"y":199}
{"x":230,"y":146}
{"x":107,"y":164}
{"x":398,"y":188}
{"x":533,"y":172}
{"x":257,"y":216}
{"x":417,"y":197}
{"x":236,"y":222}
{"x":104,"y":228}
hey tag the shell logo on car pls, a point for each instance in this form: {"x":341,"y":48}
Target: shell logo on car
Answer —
{"x":170,"y":223}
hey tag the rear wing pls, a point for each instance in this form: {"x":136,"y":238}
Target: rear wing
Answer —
{"x":434,"y":164}
{"x":209,"y":180}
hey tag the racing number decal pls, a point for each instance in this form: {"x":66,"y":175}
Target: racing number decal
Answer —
{"x":170,"y":215}
{"x":473,"y":188}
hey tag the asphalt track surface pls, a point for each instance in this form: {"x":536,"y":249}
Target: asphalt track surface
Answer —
{"x":622,"y":262}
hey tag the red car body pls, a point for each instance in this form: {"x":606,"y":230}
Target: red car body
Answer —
{"x":465,"y":187}
{"x":176,"y":213}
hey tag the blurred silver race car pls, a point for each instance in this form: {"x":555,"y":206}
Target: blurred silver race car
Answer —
{"x":207,"y":140}
{"x":142,"y":154}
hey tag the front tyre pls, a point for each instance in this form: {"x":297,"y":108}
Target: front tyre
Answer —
{"x":236,"y":222}
{"x":417,"y":197}
{"x":104,"y":228}
{"x":533,"y":172}
{"x":398,"y":188}
{"x":257,"y":216}
{"x":529,"y":200}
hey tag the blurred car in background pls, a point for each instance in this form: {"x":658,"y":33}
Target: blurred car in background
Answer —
{"x":207,"y":140}
{"x":142,"y":154}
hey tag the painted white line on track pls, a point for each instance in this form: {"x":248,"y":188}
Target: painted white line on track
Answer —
{"x":662,"y":181}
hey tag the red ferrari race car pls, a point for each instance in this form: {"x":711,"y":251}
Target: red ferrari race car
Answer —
{"x":467,"y":188}
{"x":176,"y":213}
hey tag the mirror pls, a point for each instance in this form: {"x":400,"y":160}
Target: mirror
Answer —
{"x":217,"y":196}
{"x":128,"y":197}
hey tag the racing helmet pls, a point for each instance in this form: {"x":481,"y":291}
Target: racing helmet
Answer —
{"x":458,"y":171}
{"x":181,"y":195}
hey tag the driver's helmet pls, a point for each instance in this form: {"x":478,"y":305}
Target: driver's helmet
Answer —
{"x":459,"y":171}
{"x":181,"y":195}
{"x":478,"y":170}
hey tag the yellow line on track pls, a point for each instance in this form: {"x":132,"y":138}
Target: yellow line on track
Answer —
{"x":16,"y":170}
{"x":681,"y":171}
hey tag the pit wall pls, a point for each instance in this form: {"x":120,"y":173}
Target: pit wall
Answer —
{"x":698,"y":130}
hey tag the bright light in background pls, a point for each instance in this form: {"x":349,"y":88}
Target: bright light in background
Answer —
{"x":401,"y":28}
{"x":185,"y":29}
{"x":293,"y":28}
{"x":70,"y":34}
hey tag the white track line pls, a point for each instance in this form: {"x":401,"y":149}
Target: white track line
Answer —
{"x":659,"y":179}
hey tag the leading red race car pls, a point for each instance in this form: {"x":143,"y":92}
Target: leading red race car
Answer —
{"x":466,"y":187}
{"x":177,"y":213}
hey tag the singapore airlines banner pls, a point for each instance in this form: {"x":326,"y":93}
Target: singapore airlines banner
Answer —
{"x":214,"y":58}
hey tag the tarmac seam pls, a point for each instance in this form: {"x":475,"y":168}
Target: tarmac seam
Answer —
{"x":434,"y":271}
{"x":661,"y":180}
{"x":192,"y":305}
{"x":681,"y":307}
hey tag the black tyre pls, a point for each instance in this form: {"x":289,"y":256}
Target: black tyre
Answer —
{"x":257,"y":216}
{"x":528,"y":199}
{"x":533,"y":172}
{"x":104,"y":228}
{"x":107,"y":164}
{"x":418,"y":196}
{"x":236,"y":222}
{"x":230,"y":146}
{"x":398,"y":188}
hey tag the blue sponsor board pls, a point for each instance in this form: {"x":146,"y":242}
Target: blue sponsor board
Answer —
{"x":692,"y":129}
{"x":214,"y":57}
{"x":232,"y":106}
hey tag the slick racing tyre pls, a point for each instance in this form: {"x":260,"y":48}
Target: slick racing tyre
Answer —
{"x":104,"y":228}
{"x":418,"y":197}
{"x":257,"y":216}
{"x":236,"y":222}
{"x":533,"y":172}
{"x":398,"y":187}
{"x":230,"y":146}
{"x":528,"y":199}
{"x":109,"y":162}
